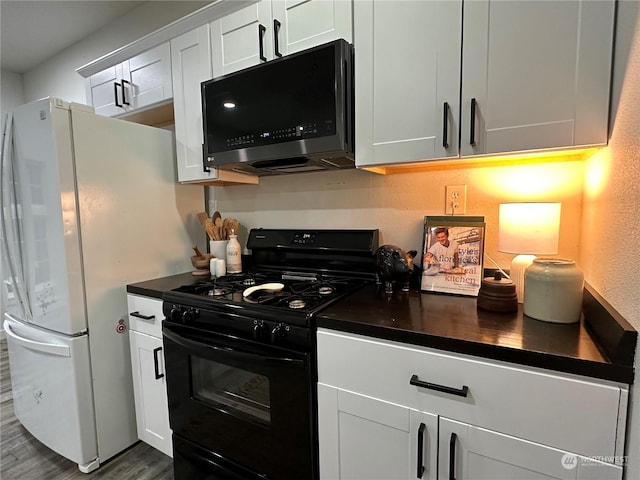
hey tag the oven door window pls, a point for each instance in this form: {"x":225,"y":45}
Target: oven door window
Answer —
{"x":232,"y":390}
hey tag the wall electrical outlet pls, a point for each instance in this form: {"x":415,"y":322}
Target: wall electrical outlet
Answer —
{"x":455,"y":201}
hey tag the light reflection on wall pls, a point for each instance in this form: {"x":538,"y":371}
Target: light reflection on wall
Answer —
{"x":535,"y":181}
{"x":597,"y":172}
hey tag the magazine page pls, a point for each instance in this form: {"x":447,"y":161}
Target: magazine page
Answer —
{"x":453,"y":249}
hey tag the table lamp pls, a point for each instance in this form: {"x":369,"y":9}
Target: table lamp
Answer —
{"x":527,"y":229}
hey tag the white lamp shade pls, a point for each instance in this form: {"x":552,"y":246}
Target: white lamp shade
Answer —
{"x":529,"y":228}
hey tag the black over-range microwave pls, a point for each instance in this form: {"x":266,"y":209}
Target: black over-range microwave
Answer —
{"x":290,"y":115}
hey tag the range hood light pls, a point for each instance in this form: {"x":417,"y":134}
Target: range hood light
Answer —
{"x":229,"y":105}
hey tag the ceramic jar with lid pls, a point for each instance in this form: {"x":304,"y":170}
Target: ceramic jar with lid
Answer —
{"x":497,"y":294}
{"x":553,"y":289}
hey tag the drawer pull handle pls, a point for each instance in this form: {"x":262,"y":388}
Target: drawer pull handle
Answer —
{"x":461,"y":392}
{"x":452,"y":456}
{"x":421,"y":468}
{"x":140,"y":315}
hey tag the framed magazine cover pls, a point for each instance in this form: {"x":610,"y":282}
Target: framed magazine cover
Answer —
{"x":452,"y":254}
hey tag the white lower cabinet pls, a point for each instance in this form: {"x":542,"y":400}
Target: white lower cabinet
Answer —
{"x":387,"y":410}
{"x":149,"y":381}
{"x":366,"y":438}
{"x":472,"y":453}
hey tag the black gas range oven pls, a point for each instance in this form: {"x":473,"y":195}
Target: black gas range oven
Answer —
{"x":240,"y":354}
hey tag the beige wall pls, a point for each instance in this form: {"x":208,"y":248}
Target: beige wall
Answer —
{"x":397,"y":204}
{"x":611,"y":225}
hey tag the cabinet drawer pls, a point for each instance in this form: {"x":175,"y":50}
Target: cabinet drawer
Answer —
{"x":145,"y":315}
{"x":567,"y":412}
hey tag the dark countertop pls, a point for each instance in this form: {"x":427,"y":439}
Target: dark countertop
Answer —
{"x":154,"y":288}
{"x":453,"y":323}
{"x":601,"y":345}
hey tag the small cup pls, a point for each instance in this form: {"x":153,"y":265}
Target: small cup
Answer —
{"x":212,"y":266}
{"x":221,"y":267}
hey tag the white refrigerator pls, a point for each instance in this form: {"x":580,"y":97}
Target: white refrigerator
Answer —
{"x":89,"y":204}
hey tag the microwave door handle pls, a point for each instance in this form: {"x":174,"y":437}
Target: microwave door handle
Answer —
{"x":235,"y":354}
{"x":261,"y":31}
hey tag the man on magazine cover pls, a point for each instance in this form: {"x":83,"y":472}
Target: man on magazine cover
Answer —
{"x":445,"y":250}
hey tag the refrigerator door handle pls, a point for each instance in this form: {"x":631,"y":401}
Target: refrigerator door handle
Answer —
{"x":50,"y":348}
{"x":6,"y":154}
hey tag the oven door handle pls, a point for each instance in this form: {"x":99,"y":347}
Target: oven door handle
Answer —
{"x":236,"y":354}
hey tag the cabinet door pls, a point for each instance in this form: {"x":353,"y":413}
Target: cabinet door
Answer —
{"x":473,"y":453}
{"x":104,"y":91}
{"x":365,"y":438}
{"x":149,"y":77}
{"x":190,"y":65}
{"x":150,"y":391}
{"x":306,"y":23}
{"x":242,"y":39}
{"x":407,"y":67}
{"x":539,"y":74}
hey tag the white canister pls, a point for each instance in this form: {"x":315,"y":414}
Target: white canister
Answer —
{"x":553,"y":290}
{"x":221,"y":267}
{"x":212,"y":266}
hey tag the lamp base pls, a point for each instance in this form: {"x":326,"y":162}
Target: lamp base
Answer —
{"x":518,"y":265}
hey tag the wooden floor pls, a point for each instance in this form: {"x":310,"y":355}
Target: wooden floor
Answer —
{"x":25,"y":458}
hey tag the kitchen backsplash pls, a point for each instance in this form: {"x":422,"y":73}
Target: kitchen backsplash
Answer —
{"x":397,"y":204}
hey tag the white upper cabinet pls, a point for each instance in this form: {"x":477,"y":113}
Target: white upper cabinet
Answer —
{"x":273,"y":28}
{"x":539,"y":73}
{"x":407,"y":67}
{"x":134,"y":84}
{"x":531,"y":75}
{"x":306,"y":23}
{"x":240,"y":40}
{"x":150,"y":77}
{"x":190,"y":65}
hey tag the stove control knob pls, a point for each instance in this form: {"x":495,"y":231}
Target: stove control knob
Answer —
{"x":260,"y":330}
{"x":189,"y":315}
{"x":175,"y":314}
{"x":279,"y":331}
